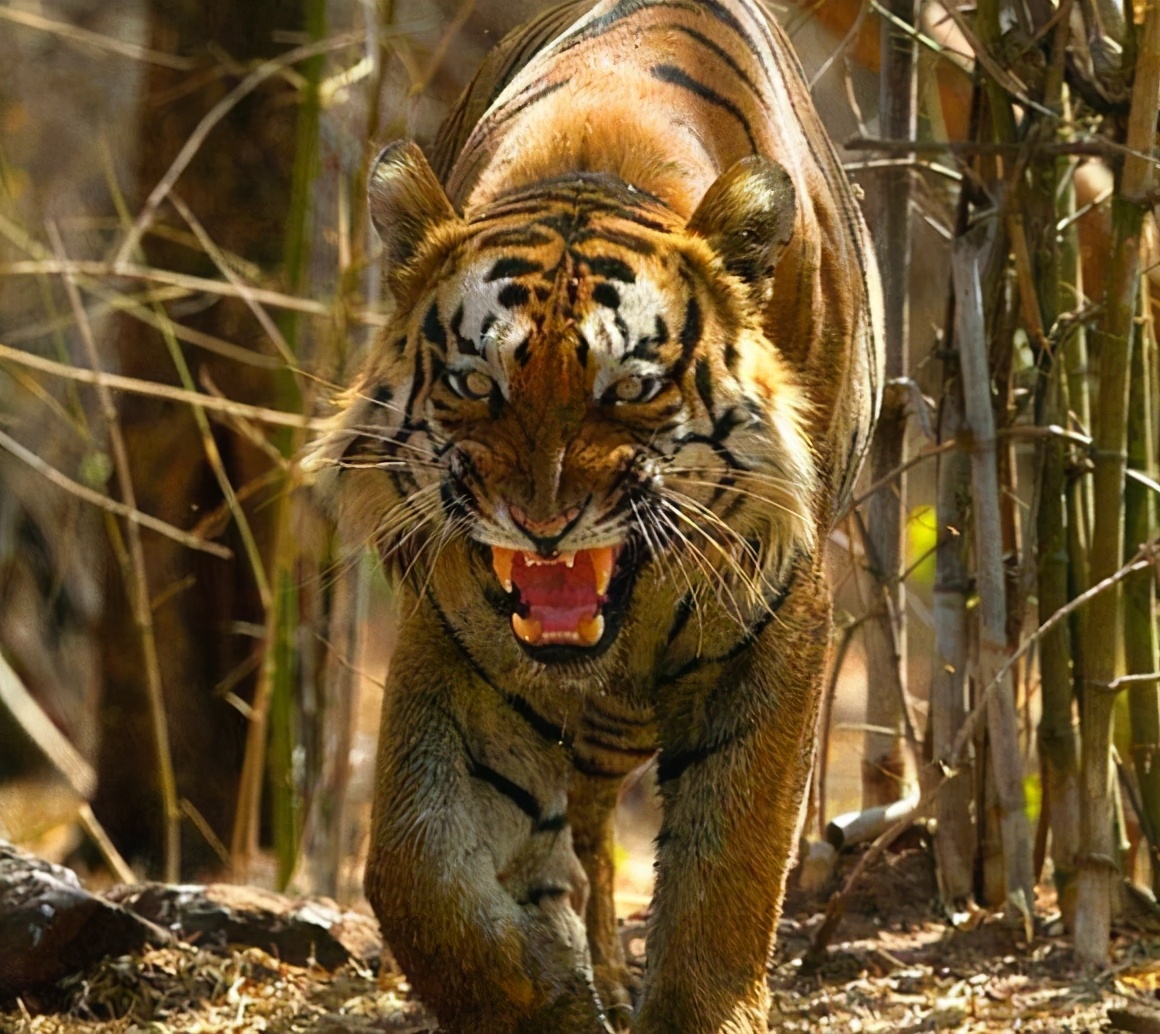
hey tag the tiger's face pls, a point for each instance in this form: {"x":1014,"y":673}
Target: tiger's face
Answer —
{"x":577,"y":383}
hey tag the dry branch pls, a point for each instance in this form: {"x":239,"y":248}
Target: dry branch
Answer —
{"x":154,"y":389}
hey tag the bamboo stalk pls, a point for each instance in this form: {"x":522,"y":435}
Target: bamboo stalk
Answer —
{"x":883,"y":764}
{"x":1054,"y":268}
{"x":1098,"y":871}
{"x":1058,"y":749}
{"x":969,"y":257}
{"x":1141,"y":656}
{"x":954,"y":841}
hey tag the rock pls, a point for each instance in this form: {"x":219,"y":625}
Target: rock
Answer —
{"x":218,"y":914}
{"x":50,"y":926}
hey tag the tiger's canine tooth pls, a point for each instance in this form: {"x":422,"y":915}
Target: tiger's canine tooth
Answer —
{"x":528,"y":629}
{"x":501,"y":563}
{"x":591,"y":629}
{"x":602,"y":561}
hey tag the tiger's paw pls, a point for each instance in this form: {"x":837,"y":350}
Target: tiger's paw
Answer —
{"x":619,"y":990}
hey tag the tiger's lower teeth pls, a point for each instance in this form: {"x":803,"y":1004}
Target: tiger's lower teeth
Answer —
{"x":528,"y":629}
{"x":531,"y":631}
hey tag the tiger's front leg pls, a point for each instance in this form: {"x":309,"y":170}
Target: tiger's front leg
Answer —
{"x":471,"y":870}
{"x":737,"y":743}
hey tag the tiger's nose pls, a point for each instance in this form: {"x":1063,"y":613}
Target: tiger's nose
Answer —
{"x":544,"y":533}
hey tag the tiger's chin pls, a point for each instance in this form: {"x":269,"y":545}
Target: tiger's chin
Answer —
{"x":566,"y":607}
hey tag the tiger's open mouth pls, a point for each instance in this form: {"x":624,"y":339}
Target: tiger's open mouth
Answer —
{"x":558,"y":600}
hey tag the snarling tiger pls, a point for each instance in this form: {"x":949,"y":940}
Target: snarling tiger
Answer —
{"x":630,"y":376}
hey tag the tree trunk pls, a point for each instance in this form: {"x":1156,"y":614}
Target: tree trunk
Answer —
{"x":208,"y":613}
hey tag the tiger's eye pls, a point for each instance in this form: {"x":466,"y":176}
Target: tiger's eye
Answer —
{"x":630,"y":389}
{"x":470,"y":384}
{"x":634,"y":388}
{"x":476,"y":384}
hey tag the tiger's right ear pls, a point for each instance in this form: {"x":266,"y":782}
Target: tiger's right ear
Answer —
{"x":406,"y":201}
{"x":748,"y":217}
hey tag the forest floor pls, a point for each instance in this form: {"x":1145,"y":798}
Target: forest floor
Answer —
{"x":894,"y":965}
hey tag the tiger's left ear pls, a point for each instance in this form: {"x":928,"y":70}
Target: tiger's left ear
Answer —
{"x":747,"y":216}
{"x":406,"y":201}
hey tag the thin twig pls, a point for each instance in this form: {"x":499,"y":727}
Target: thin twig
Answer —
{"x":118,"y":382}
{"x":139,"y":589}
{"x":36,"y":724}
{"x":211,"y":118}
{"x":245,"y":290}
{"x":1144,"y":558}
{"x":96,"y":267}
{"x":1125,"y":681}
{"x":89,"y":495}
{"x":88,"y":38}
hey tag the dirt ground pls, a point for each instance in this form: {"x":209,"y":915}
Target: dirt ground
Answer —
{"x":893,"y":966}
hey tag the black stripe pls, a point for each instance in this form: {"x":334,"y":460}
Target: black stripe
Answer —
{"x":588,"y":767}
{"x":432,"y":329}
{"x":582,"y":349}
{"x":512,"y":266}
{"x":703,"y":378}
{"x":772,"y":605}
{"x":523,"y":237}
{"x":726,"y":17}
{"x":616,"y":748}
{"x":623,"y":239}
{"x":733,"y":418}
{"x":537,"y":894}
{"x":515,"y":793}
{"x":547,"y":730}
{"x":513,"y":295}
{"x":611,"y":269}
{"x":677,"y":77}
{"x":607,"y":295}
{"x":628,"y":721}
{"x":522,"y":351}
{"x":690,"y":338}
{"x":465,"y":344}
{"x":672,"y":766}
{"x":552,"y":823}
{"x":721,"y":451}
{"x":721,"y":52}
{"x":417,"y":383}
{"x":507,"y":113}
{"x":684,"y":610}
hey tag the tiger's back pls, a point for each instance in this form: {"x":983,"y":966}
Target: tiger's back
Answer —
{"x":698,"y":86}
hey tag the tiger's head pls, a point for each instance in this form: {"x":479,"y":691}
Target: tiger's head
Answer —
{"x":576,"y":381}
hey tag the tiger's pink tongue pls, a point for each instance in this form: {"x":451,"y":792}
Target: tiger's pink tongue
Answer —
{"x":560,"y":597}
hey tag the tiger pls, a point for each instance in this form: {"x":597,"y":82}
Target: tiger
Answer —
{"x":631,"y":368}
